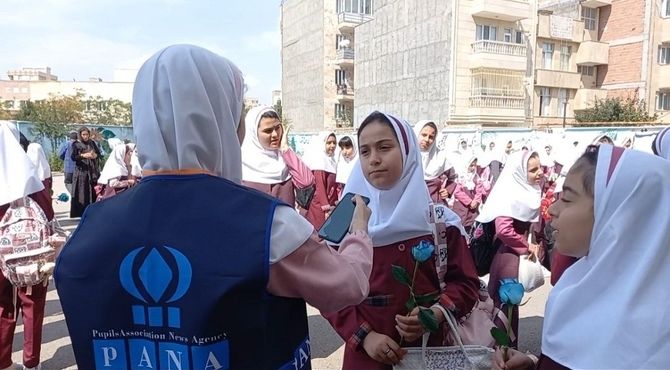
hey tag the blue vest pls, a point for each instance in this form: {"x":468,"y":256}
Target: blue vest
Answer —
{"x":172,"y":274}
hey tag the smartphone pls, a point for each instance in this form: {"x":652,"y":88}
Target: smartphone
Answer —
{"x":338,"y":223}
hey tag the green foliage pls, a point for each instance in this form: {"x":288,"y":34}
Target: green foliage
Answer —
{"x":4,"y":111}
{"x":55,"y":163}
{"x":107,"y":111}
{"x":500,"y":336}
{"x":53,"y":116}
{"x":428,"y":319}
{"x":616,"y":110}
{"x":400,"y":275}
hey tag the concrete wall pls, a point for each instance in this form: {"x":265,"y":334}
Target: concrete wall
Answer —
{"x":402,"y":60}
{"x":302,"y":30}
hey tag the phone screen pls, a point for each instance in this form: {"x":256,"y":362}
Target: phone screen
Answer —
{"x":337,"y":225}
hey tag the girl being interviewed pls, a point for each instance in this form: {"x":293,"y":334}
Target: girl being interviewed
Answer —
{"x":391,"y":175}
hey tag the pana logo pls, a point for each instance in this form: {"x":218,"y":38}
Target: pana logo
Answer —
{"x":157,"y":278}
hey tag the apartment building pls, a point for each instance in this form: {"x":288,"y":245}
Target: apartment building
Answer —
{"x":473,"y":62}
{"x":39,"y":84}
{"x":318,"y":52}
{"x":594,"y":49}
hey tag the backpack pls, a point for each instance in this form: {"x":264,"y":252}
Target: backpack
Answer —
{"x":483,"y":246}
{"x":25,"y":243}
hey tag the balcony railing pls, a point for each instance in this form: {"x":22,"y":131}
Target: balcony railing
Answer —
{"x":345,"y":90}
{"x":498,"y":47}
{"x":356,"y":18}
{"x":345,"y":53}
{"x":499,"y":102}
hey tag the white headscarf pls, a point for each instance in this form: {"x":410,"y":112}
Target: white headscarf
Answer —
{"x":135,"y":167}
{"x":344,"y":165}
{"x":466,"y":178}
{"x":662,"y":143}
{"x":39,"y":159}
{"x":433,"y":160}
{"x":512,"y":195}
{"x":187,"y":103}
{"x":115,"y":165}
{"x":401,"y":212}
{"x":610,"y":309}
{"x":260,"y":165}
{"x":114,"y":142}
{"x":18,"y":177}
{"x":315,"y":156}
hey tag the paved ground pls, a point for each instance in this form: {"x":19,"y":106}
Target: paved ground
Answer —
{"x":327,"y":347}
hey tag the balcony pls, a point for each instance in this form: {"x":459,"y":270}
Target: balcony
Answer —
{"x":575,"y":33}
{"x":345,"y":56}
{"x":593,"y":53}
{"x":345,"y":93}
{"x":493,"y":54}
{"x":347,"y":21}
{"x":497,"y":108}
{"x":596,"y":3}
{"x":560,"y":79}
{"x":585,"y":98}
{"x":504,"y":10}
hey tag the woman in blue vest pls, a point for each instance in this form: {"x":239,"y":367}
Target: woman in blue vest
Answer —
{"x":197,"y":271}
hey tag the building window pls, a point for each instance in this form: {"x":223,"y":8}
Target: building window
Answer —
{"x":340,"y":110}
{"x":589,"y":16}
{"x":507,"y":35}
{"x":562,"y":103}
{"x":354,"y":6}
{"x":587,"y":70}
{"x":663,"y":100}
{"x":340,"y":77}
{"x":519,"y":37}
{"x":487,"y":32}
{"x":665,"y":8}
{"x":497,"y":82}
{"x":545,"y":101}
{"x":566,"y":51}
{"x":547,"y":55}
{"x":664,"y":54}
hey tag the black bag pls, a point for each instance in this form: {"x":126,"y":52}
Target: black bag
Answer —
{"x":304,"y":196}
{"x":483,"y":247}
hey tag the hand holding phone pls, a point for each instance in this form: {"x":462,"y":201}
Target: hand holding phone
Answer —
{"x":351,"y":213}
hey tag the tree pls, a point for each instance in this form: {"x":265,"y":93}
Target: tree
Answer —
{"x":616,"y":110}
{"x":4,"y":110}
{"x":285,"y":120}
{"x":107,"y":111}
{"x":53,"y":116}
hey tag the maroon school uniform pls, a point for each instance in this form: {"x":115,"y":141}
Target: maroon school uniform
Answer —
{"x":284,"y":191}
{"x":514,"y":242}
{"x":387,"y":297}
{"x":448,"y":179}
{"x":325,"y":196}
{"x":31,"y":305}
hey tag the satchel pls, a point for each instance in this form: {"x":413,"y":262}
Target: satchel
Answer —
{"x":475,"y":327}
{"x":483,"y":246}
{"x":304,"y":196}
{"x":471,"y":357}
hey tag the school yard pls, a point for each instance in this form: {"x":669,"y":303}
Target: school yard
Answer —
{"x":327,"y":347}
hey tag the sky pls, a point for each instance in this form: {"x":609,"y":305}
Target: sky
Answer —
{"x":79,"y":39}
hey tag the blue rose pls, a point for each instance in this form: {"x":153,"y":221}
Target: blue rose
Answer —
{"x":510,"y":291}
{"x":423,"y":251}
{"x":63,"y":197}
